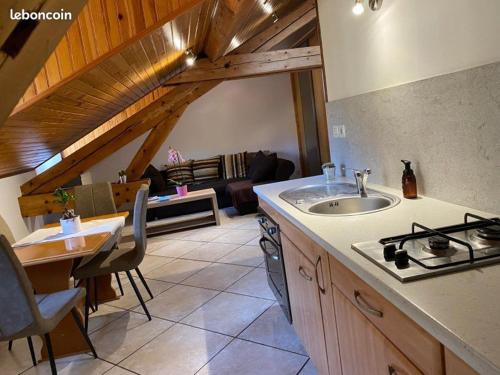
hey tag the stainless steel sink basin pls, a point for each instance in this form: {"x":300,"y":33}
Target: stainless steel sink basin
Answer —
{"x":338,"y":199}
{"x":351,"y":205}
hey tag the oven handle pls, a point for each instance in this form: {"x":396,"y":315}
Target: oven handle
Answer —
{"x":263,"y":248}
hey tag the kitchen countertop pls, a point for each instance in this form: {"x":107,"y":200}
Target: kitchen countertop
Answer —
{"x":461,"y":310}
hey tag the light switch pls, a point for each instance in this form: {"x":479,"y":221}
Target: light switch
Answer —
{"x":338,"y":131}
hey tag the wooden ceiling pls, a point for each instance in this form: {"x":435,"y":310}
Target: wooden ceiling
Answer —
{"x":128,"y":71}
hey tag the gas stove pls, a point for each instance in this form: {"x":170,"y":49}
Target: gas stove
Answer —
{"x":427,"y":252}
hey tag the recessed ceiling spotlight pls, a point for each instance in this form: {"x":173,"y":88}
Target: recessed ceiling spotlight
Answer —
{"x":358,"y":7}
{"x":267,"y":7}
{"x":275,"y":17}
{"x":190,"y":57}
{"x":375,"y":4}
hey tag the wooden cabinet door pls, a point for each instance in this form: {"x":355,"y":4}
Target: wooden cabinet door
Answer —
{"x":363,"y":349}
{"x":305,"y":304}
{"x":455,"y":366}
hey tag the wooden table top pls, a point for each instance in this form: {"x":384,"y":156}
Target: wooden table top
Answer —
{"x":124,"y":214}
{"x":48,"y":252}
{"x":191,"y":196}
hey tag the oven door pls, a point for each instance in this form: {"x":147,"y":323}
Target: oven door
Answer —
{"x":276,"y":272}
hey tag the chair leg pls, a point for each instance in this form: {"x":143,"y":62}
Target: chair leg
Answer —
{"x":32,"y":350}
{"x":95,"y":294}
{"x":138,"y":294}
{"x":87,"y":306}
{"x":144,"y":282}
{"x":78,"y":322}
{"x":51,"y":354}
{"x":10,"y":345}
{"x":119,"y":283}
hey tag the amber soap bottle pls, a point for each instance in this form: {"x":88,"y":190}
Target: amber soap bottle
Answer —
{"x":409,"y":181}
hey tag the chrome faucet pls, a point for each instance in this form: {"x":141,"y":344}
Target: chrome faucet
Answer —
{"x":361,"y":180}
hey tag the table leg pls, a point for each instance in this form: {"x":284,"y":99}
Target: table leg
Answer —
{"x":105,"y":290}
{"x":66,"y":337}
{"x":215,"y":208}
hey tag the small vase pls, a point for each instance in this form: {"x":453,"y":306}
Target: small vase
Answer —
{"x":71,"y":226}
{"x":182,"y":190}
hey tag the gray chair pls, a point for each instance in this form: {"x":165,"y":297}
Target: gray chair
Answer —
{"x":25,"y":314}
{"x":124,"y":259}
{"x":94,"y":200}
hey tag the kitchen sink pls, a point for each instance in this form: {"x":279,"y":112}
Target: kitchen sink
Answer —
{"x":338,"y":199}
{"x":351,"y":205}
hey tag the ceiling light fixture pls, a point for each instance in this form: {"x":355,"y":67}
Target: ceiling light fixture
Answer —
{"x":275,"y":17}
{"x":190,"y":57}
{"x":267,"y":7}
{"x":358,"y":7}
{"x":375,"y":4}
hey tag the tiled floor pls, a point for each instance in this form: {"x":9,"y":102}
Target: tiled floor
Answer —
{"x":213,"y":313}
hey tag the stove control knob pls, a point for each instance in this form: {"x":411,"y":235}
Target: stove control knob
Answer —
{"x":401,"y":258}
{"x":389,"y":252}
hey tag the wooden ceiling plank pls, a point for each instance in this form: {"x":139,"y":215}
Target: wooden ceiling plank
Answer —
{"x":251,"y":65}
{"x":33,"y":54}
{"x":229,"y":17}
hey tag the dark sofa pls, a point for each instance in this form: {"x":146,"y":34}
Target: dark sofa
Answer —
{"x":225,"y":189}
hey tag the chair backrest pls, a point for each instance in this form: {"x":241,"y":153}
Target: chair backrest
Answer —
{"x":139,"y":224}
{"x":94,"y":200}
{"x":18,"y":309}
{"x":5,"y":230}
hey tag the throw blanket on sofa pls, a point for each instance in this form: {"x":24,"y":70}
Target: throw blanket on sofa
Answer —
{"x":234,"y":165}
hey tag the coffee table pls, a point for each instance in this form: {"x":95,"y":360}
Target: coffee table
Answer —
{"x":195,"y":220}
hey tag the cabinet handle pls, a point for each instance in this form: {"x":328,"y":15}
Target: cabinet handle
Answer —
{"x":321,"y":289}
{"x":392,"y":371}
{"x":365,"y":306}
{"x":303,"y":273}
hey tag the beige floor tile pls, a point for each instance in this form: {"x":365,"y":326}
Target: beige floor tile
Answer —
{"x":82,"y":364}
{"x":272,"y":328}
{"x":211,"y":251}
{"x":246,"y":358}
{"x":119,"y":371}
{"x":250,"y":223}
{"x":125,"y":335}
{"x":177,"y":270}
{"x":106,"y":314}
{"x":150,"y":262}
{"x":19,"y":359}
{"x":217,"y":276}
{"x":178,"y":302}
{"x":253,"y":284}
{"x":181,"y":350}
{"x":205,"y":234}
{"x":309,"y":369}
{"x":239,"y":236}
{"x":228,"y":313}
{"x":129,"y":300}
{"x":175,"y":248}
{"x":254,"y":241}
{"x":244,"y":256}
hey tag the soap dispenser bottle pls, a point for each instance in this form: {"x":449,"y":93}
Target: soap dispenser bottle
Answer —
{"x":409,"y":181}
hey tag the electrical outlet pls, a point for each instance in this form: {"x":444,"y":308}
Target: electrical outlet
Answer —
{"x":338,"y":131}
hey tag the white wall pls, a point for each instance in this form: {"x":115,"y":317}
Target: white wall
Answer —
{"x":243,"y":115}
{"x":9,"y":208}
{"x":405,"y":41}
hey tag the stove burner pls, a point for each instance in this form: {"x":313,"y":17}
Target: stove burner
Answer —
{"x":438,"y":243}
{"x":489,"y":233}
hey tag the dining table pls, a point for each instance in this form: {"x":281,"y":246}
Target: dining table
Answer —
{"x":49,"y":256}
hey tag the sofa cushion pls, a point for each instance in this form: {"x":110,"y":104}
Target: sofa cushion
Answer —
{"x":234,"y":165}
{"x":263,"y":167}
{"x":157,"y":182}
{"x":206,"y":169}
{"x":182,"y":172}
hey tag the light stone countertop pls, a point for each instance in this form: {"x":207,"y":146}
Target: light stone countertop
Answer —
{"x":461,"y":310}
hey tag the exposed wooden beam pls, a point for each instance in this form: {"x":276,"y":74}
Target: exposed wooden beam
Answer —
{"x":286,"y":26}
{"x":251,"y":65}
{"x":155,"y":139}
{"x":228,"y":18}
{"x":27,"y":45}
{"x":83,"y":159}
{"x":45,"y":204}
